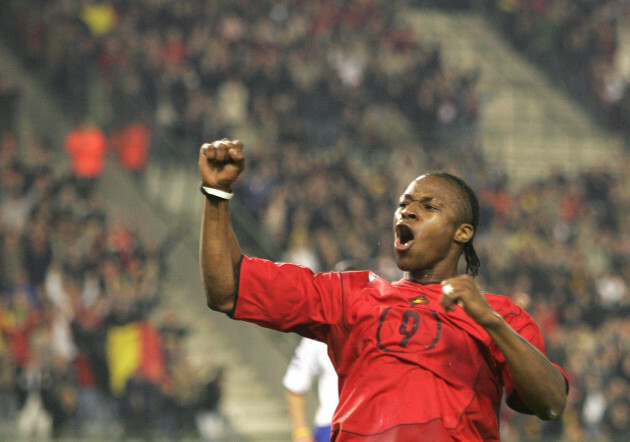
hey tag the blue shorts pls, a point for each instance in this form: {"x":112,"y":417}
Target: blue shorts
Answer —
{"x":321,"y":434}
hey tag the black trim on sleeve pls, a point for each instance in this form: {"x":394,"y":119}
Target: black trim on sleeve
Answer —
{"x":236,"y":289}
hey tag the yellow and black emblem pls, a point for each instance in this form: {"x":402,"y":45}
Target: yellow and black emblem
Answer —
{"x":419,"y":300}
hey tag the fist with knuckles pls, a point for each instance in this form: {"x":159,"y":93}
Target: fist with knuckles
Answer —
{"x":220,"y":163}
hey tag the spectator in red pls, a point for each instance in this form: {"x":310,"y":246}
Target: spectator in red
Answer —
{"x":86,"y":145}
{"x":132,"y":146}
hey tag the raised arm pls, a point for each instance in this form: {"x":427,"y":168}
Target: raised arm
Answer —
{"x":537,"y":381}
{"x":220,"y":164}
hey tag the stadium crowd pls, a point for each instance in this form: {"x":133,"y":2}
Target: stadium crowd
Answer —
{"x":86,"y":346}
{"x":590,"y":39}
{"x":268,"y":71}
{"x":330,"y":97}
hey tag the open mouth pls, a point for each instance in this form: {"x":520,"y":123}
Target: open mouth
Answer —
{"x":404,"y":237}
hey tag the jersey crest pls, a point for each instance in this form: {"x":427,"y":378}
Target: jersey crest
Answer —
{"x":419,"y":300}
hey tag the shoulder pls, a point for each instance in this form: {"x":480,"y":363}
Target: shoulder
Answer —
{"x":361,"y":283}
{"x":252,"y":263}
{"x":502,"y":302}
{"x":294,"y":277}
{"x":358,"y":278}
{"x":506,"y":307}
{"x":515,"y":315}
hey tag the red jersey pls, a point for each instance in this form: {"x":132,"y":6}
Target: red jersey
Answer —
{"x":87,"y":147}
{"x":408,"y":370}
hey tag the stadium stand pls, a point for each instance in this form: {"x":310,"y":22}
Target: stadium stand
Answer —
{"x":587,"y":38}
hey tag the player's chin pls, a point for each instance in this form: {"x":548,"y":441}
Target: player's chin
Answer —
{"x":403,"y":260}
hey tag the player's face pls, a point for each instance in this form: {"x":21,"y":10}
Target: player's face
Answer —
{"x":426,"y":227}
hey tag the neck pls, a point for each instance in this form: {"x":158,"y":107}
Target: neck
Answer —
{"x":426,"y":276}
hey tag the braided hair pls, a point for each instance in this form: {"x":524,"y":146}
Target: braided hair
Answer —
{"x":469,"y":213}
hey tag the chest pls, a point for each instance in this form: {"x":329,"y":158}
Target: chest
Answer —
{"x":390,"y":326}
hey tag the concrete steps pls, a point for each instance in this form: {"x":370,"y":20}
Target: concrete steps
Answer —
{"x":528,"y":126}
{"x":253,"y":408}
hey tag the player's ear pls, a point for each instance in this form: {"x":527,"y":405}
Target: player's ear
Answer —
{"x":464,"y":233}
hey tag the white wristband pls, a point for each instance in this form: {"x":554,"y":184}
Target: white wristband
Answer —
{"x":211,"y":191}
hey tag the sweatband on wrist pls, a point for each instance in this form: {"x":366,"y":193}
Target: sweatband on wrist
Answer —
{"x":218,"y":193}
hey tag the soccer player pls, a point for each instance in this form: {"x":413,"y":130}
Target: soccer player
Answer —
{"x":428,"y":357}
{"x":311,"y":361}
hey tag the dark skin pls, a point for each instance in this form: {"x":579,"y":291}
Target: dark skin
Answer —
{"x":220,"y":163}
{"x":429,"y":238}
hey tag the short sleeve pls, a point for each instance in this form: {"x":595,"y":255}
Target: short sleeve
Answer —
{"x":288,"y":297}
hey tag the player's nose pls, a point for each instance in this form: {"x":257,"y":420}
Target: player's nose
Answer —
{"x":408,"y":213}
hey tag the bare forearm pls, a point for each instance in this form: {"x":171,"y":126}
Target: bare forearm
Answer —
{"x":537,"y":381}
{"x":235,"y":252}
{"x":296,"y":404}
{"x":219,"y":255}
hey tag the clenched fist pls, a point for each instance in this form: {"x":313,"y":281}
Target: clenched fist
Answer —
{"x":220,"y":163}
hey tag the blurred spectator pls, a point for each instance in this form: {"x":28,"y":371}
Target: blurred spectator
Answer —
{"x":132,"y":145}
{"x":86,"y":145}
{"x":210,"y":421}
{"x":33,"y":421}
{"x":60,"y":397}
{"x":100,"y":17}
{"x":139,"y":406}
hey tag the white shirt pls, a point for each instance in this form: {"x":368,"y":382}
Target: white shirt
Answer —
{"x":310,"y":361}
